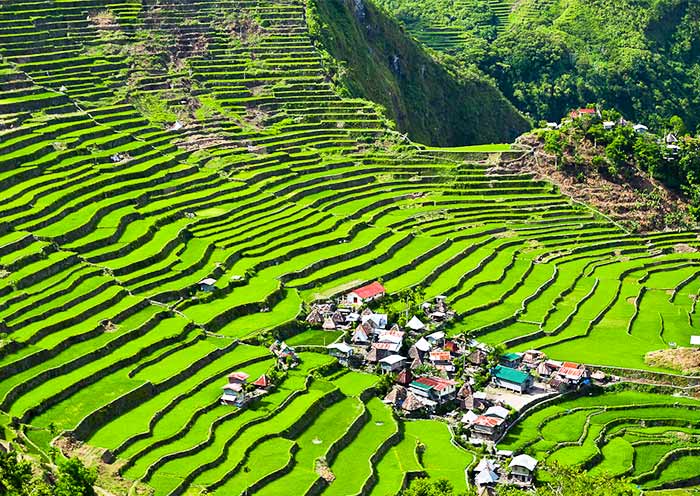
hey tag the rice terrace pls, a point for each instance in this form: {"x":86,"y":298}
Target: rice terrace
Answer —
{"x":275,"y":247}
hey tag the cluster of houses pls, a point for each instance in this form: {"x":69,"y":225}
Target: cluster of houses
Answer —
{"x":670,"y":140}
{"x":515,"y":470}
{"x":237,"y":391}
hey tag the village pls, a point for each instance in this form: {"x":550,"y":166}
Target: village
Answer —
{"x":475,"y":388}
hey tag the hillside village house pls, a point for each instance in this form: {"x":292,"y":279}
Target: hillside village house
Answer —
{"x":365,"y":294}
{"x":341,"y":351}
{"x":208,"y":284}
{"x":513,"y":379}
{"x":234,"y":391}
{"x":522,"y":468}
{"x":487,"y":428}
{"x":392,"y":363}
{"x":511,"y":360}
{"x":434,"y":388}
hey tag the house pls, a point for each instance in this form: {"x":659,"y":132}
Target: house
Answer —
{"x":415,"y":324}
{"x":376,"y":320}
{"x":415,"y":406}
{"x":694,"y":340}
{"x":338,"y":318}
{"x":498,"y":412}
{"x":315,"y":317}
{"x":352,"y":318}
{"x":671,"y":139}
{"x":478,"y":357}
{"x":486,"y":478}
{"x":365,"y":294}
{"x":390,"y":337}
{"x":396,"y":396}
{"x":532,"y":358}
{"x":341,"y":351}
{"x":548,"y":368}
{"x":570,"y":375}
{"x":465,"y":396}
{"x":608,"y":125}
{"x":487,"y":428}
{"x":451,"y":346}
{"x":552,"y":125}
{"x":360,"y":337}
{"x":640,"y":129}
{"x":436,"y":338}
{"x":234,"y":390}
{"x":328,"y":324}
{"x":468,"y":418}
{"x":442,"y":360}
{"x":405,"y":377}
{"x":581,"y":112}
{"x":392,"y":363}
{"x":208,"y":284}
{"x":383,"y":350}
{"x":434,"y":388}
{"x":423,"y":346}
{"x":262,"y":382}
{"x":511,"y":360}
{"x":486,"y":464}
{"x":512,"y":379}
{"x":480,"y":401}
{"x":522,"y":468}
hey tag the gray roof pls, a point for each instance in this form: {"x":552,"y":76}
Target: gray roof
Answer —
{"x":524,"y":461}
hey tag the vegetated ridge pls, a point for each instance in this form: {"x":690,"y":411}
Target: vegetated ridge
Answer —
{"x":372,"y":57}
{"x":638,"y":179}
{"x":548,"y":56}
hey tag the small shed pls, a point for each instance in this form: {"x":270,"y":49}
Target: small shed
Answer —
{"x":640,"y":129}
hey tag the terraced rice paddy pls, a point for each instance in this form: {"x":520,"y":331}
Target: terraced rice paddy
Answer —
{"x":283,"y":192}
{"x":653,"y":439}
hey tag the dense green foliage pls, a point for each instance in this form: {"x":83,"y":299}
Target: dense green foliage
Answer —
{"x":641,"y":56}
{"x":17,"y":478}
{"x":621,"y":150}
{"x":434,"y":103}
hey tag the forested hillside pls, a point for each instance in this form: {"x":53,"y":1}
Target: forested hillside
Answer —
{"x":370,"y":56}
{"x":547,"y":56}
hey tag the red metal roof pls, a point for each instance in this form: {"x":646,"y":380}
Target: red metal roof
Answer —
{"x":485,"y":421}
{"x":436,"y":382}
{"x":262,"y":381}
{"x":370,"y":290}
{"x":442,"y":356}
{"x":570,"y":365}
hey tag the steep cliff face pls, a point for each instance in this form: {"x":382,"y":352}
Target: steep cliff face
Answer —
{"x":372,"y":57}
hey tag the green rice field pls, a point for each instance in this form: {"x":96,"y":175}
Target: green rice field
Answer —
{"x":145,"y":146}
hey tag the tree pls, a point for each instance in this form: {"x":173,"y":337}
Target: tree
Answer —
{"x":432,"y":487}
{"x":17,"y":479}
{"x":572,"y":481}
{"x":15,"y":474}
{"x":75,"y":479}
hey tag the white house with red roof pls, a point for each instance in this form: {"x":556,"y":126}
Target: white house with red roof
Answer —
{"x":365,"y":294}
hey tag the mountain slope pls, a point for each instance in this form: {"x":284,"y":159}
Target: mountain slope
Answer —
{"x":639,"y":56}
{"x":433,"y":105}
